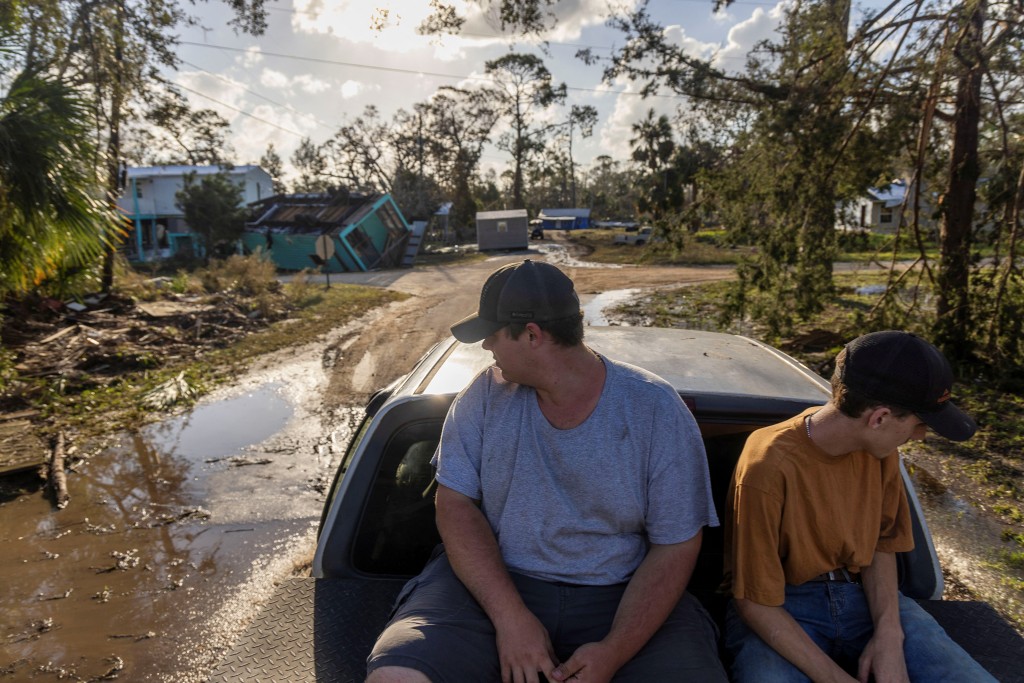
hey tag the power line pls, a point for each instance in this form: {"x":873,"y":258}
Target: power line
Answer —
{"x":259,"y":95}
{"x":415,"y":72}
{"x":240,"y":111}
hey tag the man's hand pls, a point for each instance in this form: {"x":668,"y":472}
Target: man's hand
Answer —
{"x":883,"y":658}
{"x":591,"y":663}
{"x":883,"y":655}
{"x":524,"y":649}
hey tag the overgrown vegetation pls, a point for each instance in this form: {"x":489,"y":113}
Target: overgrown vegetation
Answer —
{"x":191,"y":330}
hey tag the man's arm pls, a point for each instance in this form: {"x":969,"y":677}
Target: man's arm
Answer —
{"x":883,"y":655}
{"x":652,"y":594}
{"x":780,"y":631}
{"x":524,"y":647}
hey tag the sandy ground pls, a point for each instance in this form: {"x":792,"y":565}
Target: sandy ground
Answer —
{"x":395,"y":337}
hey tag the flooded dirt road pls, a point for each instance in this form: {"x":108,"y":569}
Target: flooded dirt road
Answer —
{"x":175,"y":534}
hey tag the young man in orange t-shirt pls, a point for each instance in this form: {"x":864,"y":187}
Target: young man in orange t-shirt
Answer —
{"x":817,"y":513}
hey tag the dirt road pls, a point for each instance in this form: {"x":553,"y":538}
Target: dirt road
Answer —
{"x":179,"y":531}
{"x":396,"y":336}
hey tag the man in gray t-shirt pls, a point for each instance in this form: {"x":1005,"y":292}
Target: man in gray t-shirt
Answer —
{"x":572,"y":494}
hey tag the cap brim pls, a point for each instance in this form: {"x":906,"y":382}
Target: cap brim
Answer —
{"x":950,"y":422}
{"x":473,"y":328}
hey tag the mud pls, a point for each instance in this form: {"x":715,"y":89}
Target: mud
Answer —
{"x":174,"y":534}
{"x":177,"y":533}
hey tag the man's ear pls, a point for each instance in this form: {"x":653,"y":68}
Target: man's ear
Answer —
{"x":877,"y":416}
{"x":533,"y":329}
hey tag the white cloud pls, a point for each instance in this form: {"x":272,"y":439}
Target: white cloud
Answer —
{"x":389,"y":25}
{"x":251,"y":57}
{"x":676,"y":35}
{"x":311,"y":84}
{"x":274,"y":79}
{"x":350,"y":89}
{"x":207,"y":91}
{"x":630,"y":108}
{"x":745,"y":35}
{"x":267,"y":124}
{"x":569,"y":18}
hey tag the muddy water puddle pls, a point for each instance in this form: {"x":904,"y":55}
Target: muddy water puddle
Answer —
{"x":172,"y":536}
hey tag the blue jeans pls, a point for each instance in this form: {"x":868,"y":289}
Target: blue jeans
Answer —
{"x":836,"y":617}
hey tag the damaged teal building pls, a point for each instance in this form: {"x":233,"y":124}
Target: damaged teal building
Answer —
{"x":368,"y":231}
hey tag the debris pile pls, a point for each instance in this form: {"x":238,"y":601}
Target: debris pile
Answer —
{"x":68,"y":348}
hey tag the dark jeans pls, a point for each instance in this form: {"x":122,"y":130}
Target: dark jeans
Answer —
{"x":439,"y":629}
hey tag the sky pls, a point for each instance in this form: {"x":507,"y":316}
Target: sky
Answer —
{"x":321,"y":62}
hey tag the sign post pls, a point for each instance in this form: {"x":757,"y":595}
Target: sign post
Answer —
{"x":324,"y":251}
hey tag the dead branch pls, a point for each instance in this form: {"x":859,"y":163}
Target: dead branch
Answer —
{"x":58,"y":480}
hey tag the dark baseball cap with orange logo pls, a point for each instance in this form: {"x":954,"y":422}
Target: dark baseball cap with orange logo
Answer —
{"x":902,"y":370}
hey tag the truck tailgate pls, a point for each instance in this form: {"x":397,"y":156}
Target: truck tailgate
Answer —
{"x":322,"y":630}
{"x":311,"y":630}
{"x":985,"y":635}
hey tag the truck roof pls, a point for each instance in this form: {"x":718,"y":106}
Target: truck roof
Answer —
{"x":715,"y":372}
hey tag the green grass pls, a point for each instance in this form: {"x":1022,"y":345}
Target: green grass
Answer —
{"x":602,"y":249}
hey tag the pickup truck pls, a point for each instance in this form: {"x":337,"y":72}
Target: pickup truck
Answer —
{"x":377,"y":526}
{"x":638,"y":238}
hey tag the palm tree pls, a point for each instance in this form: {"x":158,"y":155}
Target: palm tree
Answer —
{"x":54,"y":217}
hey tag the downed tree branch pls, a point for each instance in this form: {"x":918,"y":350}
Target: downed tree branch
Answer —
{"x":169,"y":393}
{"x":58,"y":480}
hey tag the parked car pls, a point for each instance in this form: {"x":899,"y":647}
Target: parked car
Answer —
{"x":638,"y":238}
{"x":537,"y":233}
{"x":377,"y":525}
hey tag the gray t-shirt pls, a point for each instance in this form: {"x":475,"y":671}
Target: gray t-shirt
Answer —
{"x":579,"y":505}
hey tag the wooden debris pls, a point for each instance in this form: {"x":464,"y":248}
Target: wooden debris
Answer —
{"x":58,"y":479}
{"x":174,"y":390}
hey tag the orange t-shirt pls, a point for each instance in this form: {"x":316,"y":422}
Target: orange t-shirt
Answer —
{"x":796,"y":512}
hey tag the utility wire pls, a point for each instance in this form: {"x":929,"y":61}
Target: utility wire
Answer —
{"x":236,"y":84}
{"x":240,"y":111}
{"x":416,"y":72}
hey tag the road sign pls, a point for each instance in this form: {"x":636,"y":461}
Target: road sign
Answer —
{"x":324,"y":247}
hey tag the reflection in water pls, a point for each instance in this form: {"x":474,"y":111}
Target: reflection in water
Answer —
{"x":204,"y":432}
{"x":116,"y":579}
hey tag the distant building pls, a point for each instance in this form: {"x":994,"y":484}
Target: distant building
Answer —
{"x":502,"y":230}
{"x":367,"y":232}
{"x":881,"y":209}
{"x":564,"y":219}
{"x":158,"y":225}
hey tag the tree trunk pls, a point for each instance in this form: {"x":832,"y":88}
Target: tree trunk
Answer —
{"x":953,"y":320}
{"x":113,"y":160}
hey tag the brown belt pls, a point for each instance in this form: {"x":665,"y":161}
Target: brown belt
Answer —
{"x":841,"y":575}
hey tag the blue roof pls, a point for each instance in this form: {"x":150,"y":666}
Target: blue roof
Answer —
{"x":892,"y":194}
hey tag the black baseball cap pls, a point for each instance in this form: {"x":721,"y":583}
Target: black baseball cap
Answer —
{"x":902,"y":370}
{"x":527,"y":292}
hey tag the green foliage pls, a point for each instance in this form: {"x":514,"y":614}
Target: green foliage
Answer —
{"x":213,"y":208}
{"x":271,"y":163}
{"x":54,"y":220}
{"x":523,"y":88}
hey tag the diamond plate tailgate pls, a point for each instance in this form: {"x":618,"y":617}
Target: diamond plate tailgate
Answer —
{"x":311,"y":630}
{"x":984,"y":634}
{"x":322,"y":629}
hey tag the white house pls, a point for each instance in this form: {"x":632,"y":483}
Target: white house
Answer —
{"x":880,"y":209}
{"x":158,"y":225}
